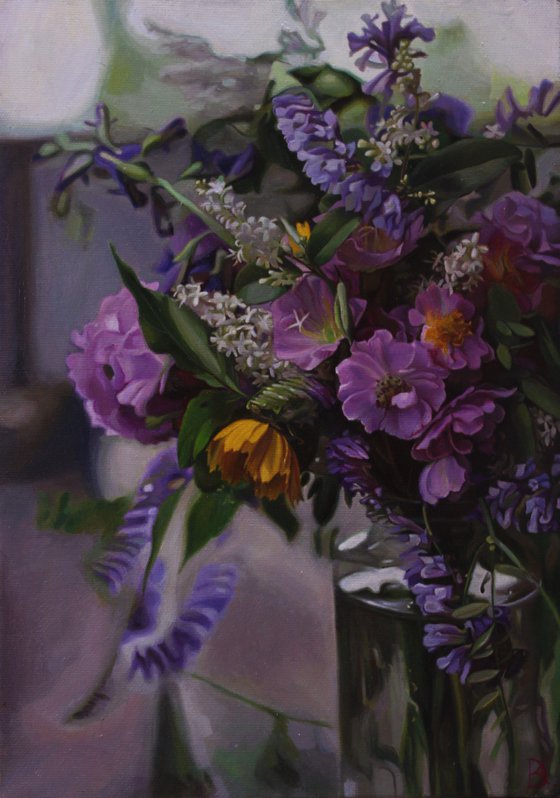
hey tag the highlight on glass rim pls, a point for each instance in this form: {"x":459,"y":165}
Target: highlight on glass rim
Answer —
{"x":293,"y":510}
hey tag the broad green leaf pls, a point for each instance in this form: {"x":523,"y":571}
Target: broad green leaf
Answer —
{"x":470,"y":610}
{"x":257,"y":294}
{"x":75,"y":517}
{"x":283,"y":516}
{"x":160,"y":527}
{"x":522,"y":330}
{"x":208,"y":516}
{"x":463,"y":167}
{"x":542,"y":396}
{"x":504,"y":356}
{"x":478,"y":677}
{"x":329,"y":234}
{"x":327,"y":83}
{"x":190,"y":248}
{"x":326,"y":491}
{"x":177,"y":331}
{"x":205,"y":414}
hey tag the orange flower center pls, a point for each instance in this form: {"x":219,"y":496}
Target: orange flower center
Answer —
{"x":446,"y":331}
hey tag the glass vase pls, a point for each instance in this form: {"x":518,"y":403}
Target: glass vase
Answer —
{"x":410,"y":729}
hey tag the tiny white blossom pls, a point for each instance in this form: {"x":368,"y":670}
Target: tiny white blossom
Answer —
{"x":462,"y":268}
{"x":547,"y":427}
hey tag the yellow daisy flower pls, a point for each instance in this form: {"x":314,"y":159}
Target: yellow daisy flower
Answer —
{"x":253,"y":451}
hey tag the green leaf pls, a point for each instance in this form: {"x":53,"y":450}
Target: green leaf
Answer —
{"x":542,"y":396}
{"x":190,"y":248}
{"x":277,"y":765}
{"x":327,"y":83}
{"x":329,"y":234}
{"x":342,"y":313}
{"x":550,"y":352}
{"x":163,"y":518}
{"x":522,"y":330}
{"x":208,"y":516}
{"x":531,"y":166}
{"x":205,"y":414}
{"x":463,"y":167}
{"x":478,"y":677}
{"x":326,"y":491}
{"x":481,"y":641}
{"x":487,"y":701}
{"x":504,"y":356}
{"x":470,"y":610}
{"x":522,"y":432}
{"x":177,"y":331}
{"x":259,"y":293}
{"x":282,"y":515}
{"x":75,"y":517}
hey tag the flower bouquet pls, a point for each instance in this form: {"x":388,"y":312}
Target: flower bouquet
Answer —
{"x":394,"y":340}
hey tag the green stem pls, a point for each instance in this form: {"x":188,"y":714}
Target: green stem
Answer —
{"x":472,"y":566}
{"x":429,"y":529}
{"x":462,"y":730}
{"x":191,"y":206}
{"x":275,"y":713}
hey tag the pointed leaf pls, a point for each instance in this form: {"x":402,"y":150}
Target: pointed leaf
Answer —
{"x":487,"y":701}
{"x":205,"y":414}
{"x":280,"y":512}
{"x":329,"y":234}
{"x":208,"y":516}
{"x":177,"y":331}
{"x":471,"y":610}
{"x":542,"y":396}
{"x":161,"y":524}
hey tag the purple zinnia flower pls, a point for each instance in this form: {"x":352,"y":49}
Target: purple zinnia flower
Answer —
{"x":380,"y":44}
{"x":306,"y":330}
{"x":448,"y":324}
{"x":116,"y":374}
{"x":464,"y":425}
{"x":391,"y":385}
{"x":389,"y":235}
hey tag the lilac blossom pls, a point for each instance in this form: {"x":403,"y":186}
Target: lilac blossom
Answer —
{"x":380,"y":43}
{"x":177,"y":648}
{"x":463,"y":426}
{"x":391,"y":385}
{"x":120,"y":554}
{"x":116,"y":374}
{"x":306,"y":330}
{"x":313,"y":135}
{"x":389,"y":235}
{"x":543,"y":99}
{"x":448,"y":324}
{"x":348,"y":458}
{"x":530,"y":500}
{"x":202,"y":259}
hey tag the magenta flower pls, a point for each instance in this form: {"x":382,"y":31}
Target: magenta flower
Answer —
{"x":391,"y":385}
{"x":448,"y":324}
{"x":389,"y":236}
{"x":525,"y":222}
{"x":465,"y":424}
{"x":306,"y":330}
{"x":115,"y":373}
{"x":523,"y":240}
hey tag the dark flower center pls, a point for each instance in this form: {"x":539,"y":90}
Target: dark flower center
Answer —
{"x":387,"y":387}
{"x":108,"y":371}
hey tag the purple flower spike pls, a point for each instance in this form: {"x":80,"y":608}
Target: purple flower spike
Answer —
{"x":306,"y":331}
{"x":530,"y":500}
{"x":115,"y":373}
{"x":448,"y":324}
{"x":162,"y":478}
{"x":212,"y":592}
{"x":541,"y":103}
{"x":348,"y":458}
{"x":391,"y":385}
{"x":380,"y":44}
